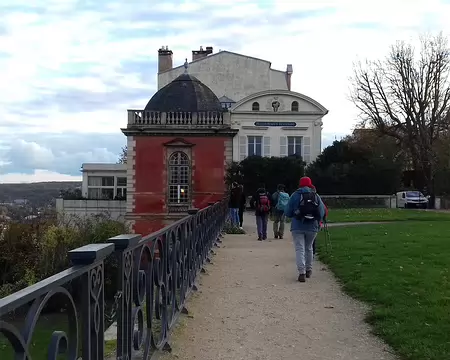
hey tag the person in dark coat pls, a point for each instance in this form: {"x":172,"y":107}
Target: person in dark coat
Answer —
{"x":262,"y":204}
{"x":234,"y":203}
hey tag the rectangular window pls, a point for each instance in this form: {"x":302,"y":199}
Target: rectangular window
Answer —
{"x":122,"y":181}
{"x":254,"y":145}
{"x":101,"y":181}
{"x":94,"y":193}
{"x":121,"y":193}
{"x":101,"y":193}
{"x":294,"y":145}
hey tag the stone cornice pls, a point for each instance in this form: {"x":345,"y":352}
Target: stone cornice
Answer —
{"x":179,"y":132}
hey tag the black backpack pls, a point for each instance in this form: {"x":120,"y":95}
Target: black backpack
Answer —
{"x":308,"y":209}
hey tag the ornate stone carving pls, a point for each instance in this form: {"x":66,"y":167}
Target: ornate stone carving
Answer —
{"x":275,"y":104}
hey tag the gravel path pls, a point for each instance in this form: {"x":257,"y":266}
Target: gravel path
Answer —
{"x":250,"y":306}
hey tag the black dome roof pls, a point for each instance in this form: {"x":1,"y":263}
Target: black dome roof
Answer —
{"x":185,"y":93}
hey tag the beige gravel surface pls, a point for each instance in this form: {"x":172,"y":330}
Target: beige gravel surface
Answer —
{"x":250,"y":306}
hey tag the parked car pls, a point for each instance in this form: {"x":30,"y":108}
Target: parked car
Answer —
{"x":411,"y":199}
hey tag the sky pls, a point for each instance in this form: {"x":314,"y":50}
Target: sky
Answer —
{"x":69,"y":69}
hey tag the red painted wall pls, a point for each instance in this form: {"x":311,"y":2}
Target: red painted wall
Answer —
{"x":208,"y":169}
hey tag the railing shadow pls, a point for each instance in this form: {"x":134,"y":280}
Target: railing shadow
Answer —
{"x":152,"y":277}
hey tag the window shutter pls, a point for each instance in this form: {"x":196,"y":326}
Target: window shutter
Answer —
{"x":242,"y":147}
{"x":266,"y":144}
{"x":306,"y":154}
{"x":283,"y":146}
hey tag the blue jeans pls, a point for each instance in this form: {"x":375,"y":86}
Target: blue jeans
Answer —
{"x":303,"y":243}
{"x":261,"y":225}
{"x":234,"y":216}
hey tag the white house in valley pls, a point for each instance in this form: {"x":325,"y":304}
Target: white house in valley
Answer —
{"x":104,"y":189}
{"x":272,"y":120}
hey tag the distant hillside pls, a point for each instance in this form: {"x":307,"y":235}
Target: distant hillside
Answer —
{"x":37,"y":194}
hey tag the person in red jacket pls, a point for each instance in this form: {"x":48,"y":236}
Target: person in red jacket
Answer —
{"x":313,"y":188}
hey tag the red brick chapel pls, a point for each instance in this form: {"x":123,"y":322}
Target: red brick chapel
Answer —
{"x":178,"y":149}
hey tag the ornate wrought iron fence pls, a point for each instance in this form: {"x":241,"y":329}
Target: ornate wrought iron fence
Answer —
{"x":88,"y":267}
{"x":156,"y":274}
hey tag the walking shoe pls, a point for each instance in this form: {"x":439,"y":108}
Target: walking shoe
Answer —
{"x":280,"y":236}
{"x":302,"y":278}
{"x":276,"y":236}
{"x":308,"y":273}
{"x":259,"y":239}
{"x":264,"y":237}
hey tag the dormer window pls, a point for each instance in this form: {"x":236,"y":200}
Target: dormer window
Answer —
{"x":294,"y":106}
{"x":255,"y":106}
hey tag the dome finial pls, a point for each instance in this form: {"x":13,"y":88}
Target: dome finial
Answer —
{"x":186,"y":65}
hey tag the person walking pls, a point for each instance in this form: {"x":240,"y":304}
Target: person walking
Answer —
{"x":233,"y":203}
{"x":280,"y":200}
{"x":242,"y":205}
{"x":306,"y":210}
{"x":261,"y":202}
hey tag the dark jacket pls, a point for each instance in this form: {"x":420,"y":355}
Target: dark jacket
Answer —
{"x":255,"y":199}
{"x":294,"y":202}
{"x":235,"y":197}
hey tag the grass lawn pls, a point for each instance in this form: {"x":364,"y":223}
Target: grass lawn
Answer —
{"x":402,"y":271}
{"x":377,"y":214}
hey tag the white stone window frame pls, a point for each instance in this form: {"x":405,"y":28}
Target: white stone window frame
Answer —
{"x":174,"y":206}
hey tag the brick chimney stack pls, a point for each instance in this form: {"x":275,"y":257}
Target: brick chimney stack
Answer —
{"x":199,"y":54}
{"x":165,"y":59}
{"x":289,"y":72}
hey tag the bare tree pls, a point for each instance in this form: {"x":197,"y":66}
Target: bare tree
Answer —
{"x":123,"y":156}
{"x":407,"y":97}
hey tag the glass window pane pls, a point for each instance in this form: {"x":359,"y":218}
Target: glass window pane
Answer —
{"x":121,"y":181}
{"x":291,"y":149}
{"x":108,"y":181}
{"x":258,"y":150}
{"x":107,"y":194}
{"x":179,"y":178}
{"x":94,"y":181}
{"x":94,"y":193}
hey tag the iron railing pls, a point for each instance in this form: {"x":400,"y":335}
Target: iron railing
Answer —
{"x":155,"y":276}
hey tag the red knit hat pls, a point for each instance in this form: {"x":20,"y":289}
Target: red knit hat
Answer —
{"x":305,"y":182}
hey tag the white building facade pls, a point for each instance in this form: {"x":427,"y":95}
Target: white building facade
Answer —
{"x":272,"y":120}
{"x":104,"y":189}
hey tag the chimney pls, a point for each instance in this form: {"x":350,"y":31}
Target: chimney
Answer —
{"x":289,"y":72}
{"x":165,"y":59}
{"x":199,"y":54}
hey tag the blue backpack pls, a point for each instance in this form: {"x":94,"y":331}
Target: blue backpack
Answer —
{"x":283,"y":200}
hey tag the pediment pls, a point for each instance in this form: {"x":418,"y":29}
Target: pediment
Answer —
{"x":179,"y":142}
{"x":280,"y":101}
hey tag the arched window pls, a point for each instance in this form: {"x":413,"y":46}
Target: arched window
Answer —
{"x":255,"y":106}
{"x":294,"y":106}
{"x":179,"y":178}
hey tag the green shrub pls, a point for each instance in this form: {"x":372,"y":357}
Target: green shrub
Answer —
{"x":33,"y":252}
{"x":232,"y":229}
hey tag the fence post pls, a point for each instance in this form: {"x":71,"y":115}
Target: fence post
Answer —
{"x":124,"y":246}
{"x":92,"y":297}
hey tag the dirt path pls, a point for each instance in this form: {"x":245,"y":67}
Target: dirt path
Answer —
{"x":250,"y":306}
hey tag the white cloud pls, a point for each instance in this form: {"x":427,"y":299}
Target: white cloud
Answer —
{"x":37,"y":176}
{"x":56,"y":48}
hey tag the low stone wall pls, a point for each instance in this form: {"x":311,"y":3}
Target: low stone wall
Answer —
{"x":115,"y":209}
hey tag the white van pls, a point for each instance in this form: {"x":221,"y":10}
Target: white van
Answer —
{"x":411,"y":199}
